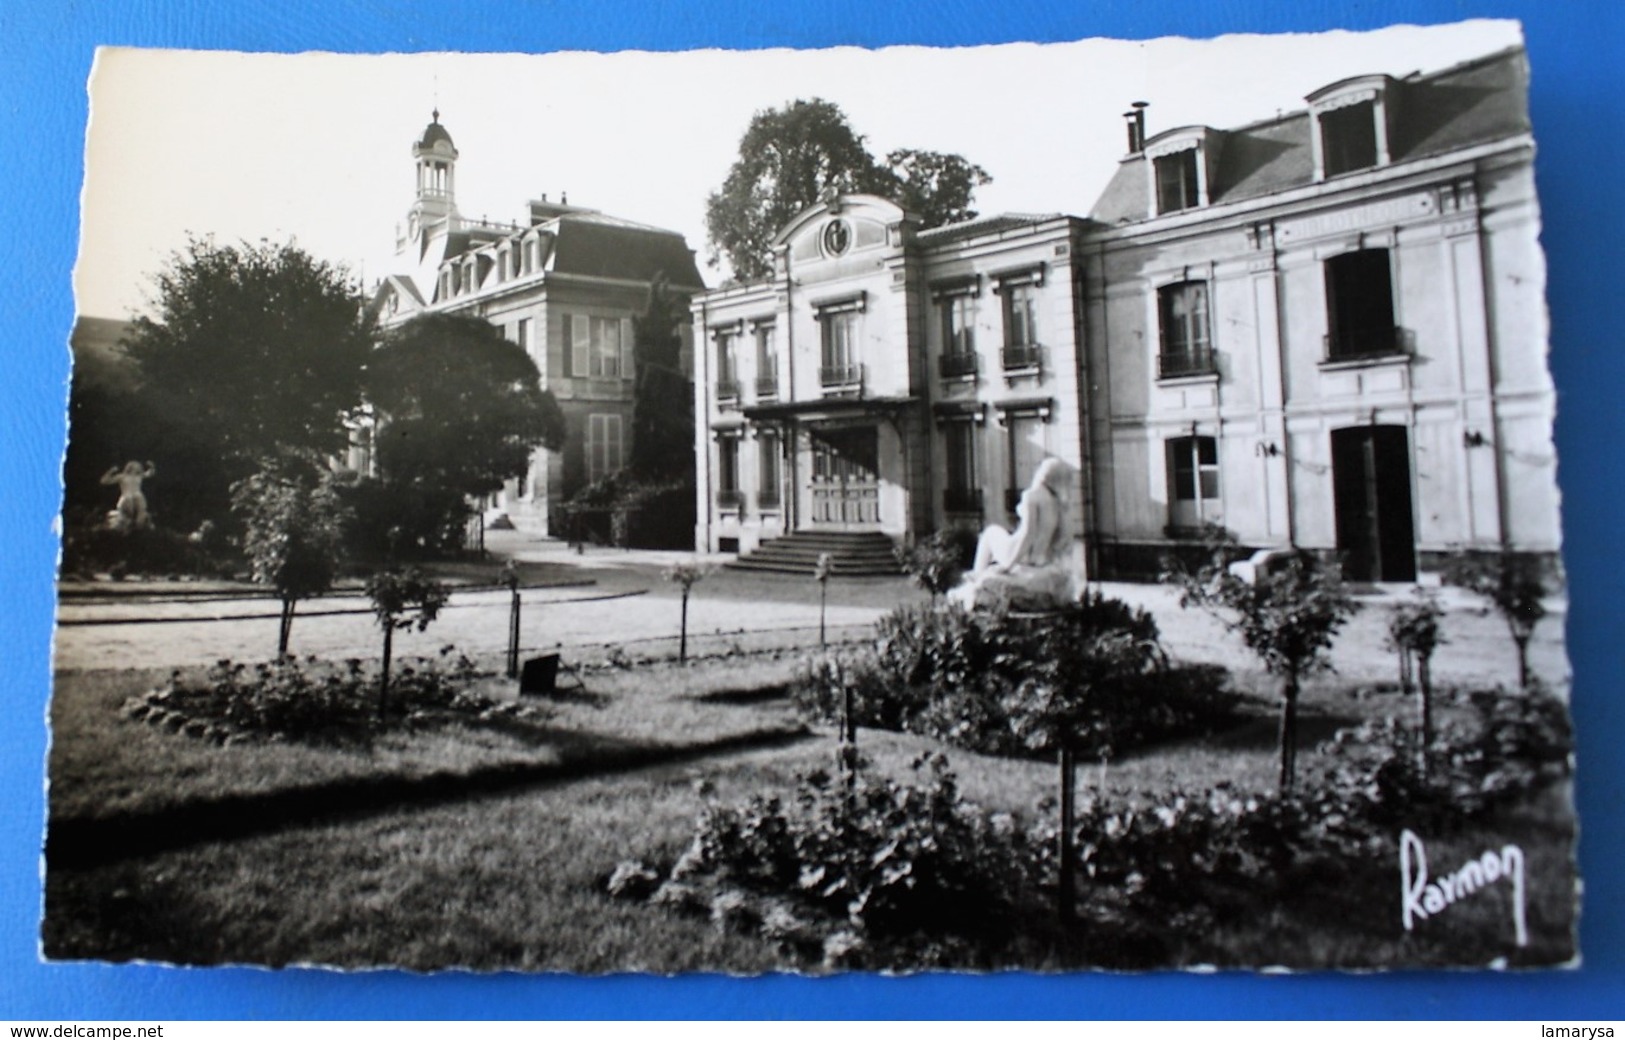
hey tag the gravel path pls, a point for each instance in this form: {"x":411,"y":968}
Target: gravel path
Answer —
{"x":607,"y":597}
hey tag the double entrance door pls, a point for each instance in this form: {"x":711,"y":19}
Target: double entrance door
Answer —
{"x":846,"y":478}
{"x":1371,"y":483}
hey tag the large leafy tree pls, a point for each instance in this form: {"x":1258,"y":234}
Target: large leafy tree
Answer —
{"x":791,"y":157}
{"x":252,"y":351}
{"x":461,"y":408}
{"x":939,"y":186}
{"x":256,"y":349}
{"x":662,"y":402}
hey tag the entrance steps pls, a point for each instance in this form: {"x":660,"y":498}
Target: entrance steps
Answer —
{"x":854,"y":554}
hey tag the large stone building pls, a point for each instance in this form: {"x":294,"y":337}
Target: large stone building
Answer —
{"x":1324,"y":329}
{"x":564,"y":282}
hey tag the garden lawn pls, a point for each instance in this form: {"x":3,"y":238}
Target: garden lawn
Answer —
{"x":104,"y":764}
{"x":516,"y":880}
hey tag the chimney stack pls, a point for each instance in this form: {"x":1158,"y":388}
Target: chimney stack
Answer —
{"x":1136,"y":126}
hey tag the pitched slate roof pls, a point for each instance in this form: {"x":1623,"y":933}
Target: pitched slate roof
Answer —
{"x":1475,"y":102}
{"x":588,"y":244}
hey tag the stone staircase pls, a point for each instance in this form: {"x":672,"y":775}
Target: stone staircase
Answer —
{"x":856,"y":554}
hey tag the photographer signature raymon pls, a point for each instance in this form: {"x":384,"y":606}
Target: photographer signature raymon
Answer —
{"x":1422,"y":898}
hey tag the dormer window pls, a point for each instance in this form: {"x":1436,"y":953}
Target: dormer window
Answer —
{"x":1182,"y":163}
{"x":1351,"y":120}
{"x":1176,"y":181}
{"x":1349,"y":138}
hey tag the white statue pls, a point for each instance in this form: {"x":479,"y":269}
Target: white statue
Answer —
{"x":131,"y":512}
{"x":1031,"y":567}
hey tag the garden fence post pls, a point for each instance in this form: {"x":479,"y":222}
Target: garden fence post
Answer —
{"x":513,"y":636}
{"x":1066,"y":896}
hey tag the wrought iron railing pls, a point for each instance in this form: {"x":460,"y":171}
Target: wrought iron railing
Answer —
{"x":837,"y":376}
{"x":1199,"y":361}
{"x":957,"y":366}
{"x":767,"y":388}
{"x":1020,"y":357}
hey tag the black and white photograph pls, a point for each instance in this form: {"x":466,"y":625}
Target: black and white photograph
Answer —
{"x":1059,"y":507}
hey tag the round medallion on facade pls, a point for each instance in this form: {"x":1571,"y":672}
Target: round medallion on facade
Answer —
{"x":837,"y":237}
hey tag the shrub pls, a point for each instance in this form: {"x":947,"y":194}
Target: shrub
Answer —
{"x":935,"y":563}
{"x":885,"y":856}
{"x":90,"y":547}
{"x":389,"y":521}
{"x":316,"y":702}
{"x":1288,"y":616}
{"x":1092,"y":676}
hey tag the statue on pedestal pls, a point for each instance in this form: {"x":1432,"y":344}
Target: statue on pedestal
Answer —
{"x":1029,"y":568}
{"x":130,"y":514}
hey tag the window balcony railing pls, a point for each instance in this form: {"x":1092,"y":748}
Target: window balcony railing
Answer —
{"x":767,"y":388}
{"x":957,"y":366}
{"x":729,"y":499}
{"x":767,"y":498}
{"x":962,"y":500}
{"x":1021,"y":357}
{"x":727,"y":389}
{"x":840,"y":377}
{"x":1199,"y":361}
{"x":1365,"y":344}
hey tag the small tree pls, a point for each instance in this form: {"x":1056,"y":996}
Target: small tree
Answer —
{"x":687,"y":574}
{"x":1288,"y":617}
{"x":821,"y":574}
{"x":1413,"y":631}
{"x":292,"y":524}
{"x":1514,"y":586}
{"x":934,"y":563}
{"x":401,"y":600}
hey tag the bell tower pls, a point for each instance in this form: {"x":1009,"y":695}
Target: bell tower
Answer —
{"x":436,"y":160}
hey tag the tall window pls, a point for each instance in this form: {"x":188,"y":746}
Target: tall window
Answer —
{"x":1020,"y":325}
{"x":727,"y":365}
{"x":1193,"y":481}
{"x":1348,"y":138}
{"x":840,"y":349}
{"x":957,"y":319}
{"x":600,"y":348}
{"x":728,"y":471}
{"x":1360,"y":306}
{"x":604,"y":446}
{"x":1182,"y":312}
{"x":1176,"y":181}
{"x":767,"y":361}
{"x":767,"y":472}
{"x":960,"y":493}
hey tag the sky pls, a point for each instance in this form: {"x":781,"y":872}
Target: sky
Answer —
{"x":317,"y":147}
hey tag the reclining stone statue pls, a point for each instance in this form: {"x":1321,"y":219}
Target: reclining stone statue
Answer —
{"x":1031,"y":567}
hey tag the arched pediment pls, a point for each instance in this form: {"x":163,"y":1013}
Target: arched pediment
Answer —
{"x":840,"y":227}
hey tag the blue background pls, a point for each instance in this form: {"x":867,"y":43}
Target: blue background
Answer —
{"x":45,"y":56}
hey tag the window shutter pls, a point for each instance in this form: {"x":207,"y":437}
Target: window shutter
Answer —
{"x":614,"y":458}
{"x":580,"y":345}
{"x":626,"y":348}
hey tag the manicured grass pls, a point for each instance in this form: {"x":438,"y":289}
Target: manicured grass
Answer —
{"x":103,"y":763}
{"x":516,"y":880}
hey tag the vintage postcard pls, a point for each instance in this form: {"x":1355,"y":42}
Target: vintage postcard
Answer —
{"x":1055,"y":507}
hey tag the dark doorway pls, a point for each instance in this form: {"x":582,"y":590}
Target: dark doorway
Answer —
{"x":1371,"y":482}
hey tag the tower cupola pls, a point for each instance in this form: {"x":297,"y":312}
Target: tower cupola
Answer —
{"x":436,"y":159}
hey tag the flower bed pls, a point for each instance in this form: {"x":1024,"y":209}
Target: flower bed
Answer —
{"x":316,"y":702}
{"x":1092,"y":676}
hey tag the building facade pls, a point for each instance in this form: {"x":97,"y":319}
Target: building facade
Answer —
{"x":1325,"y":329}
{"x":886,"y":379}
{"x":564,"y":282}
